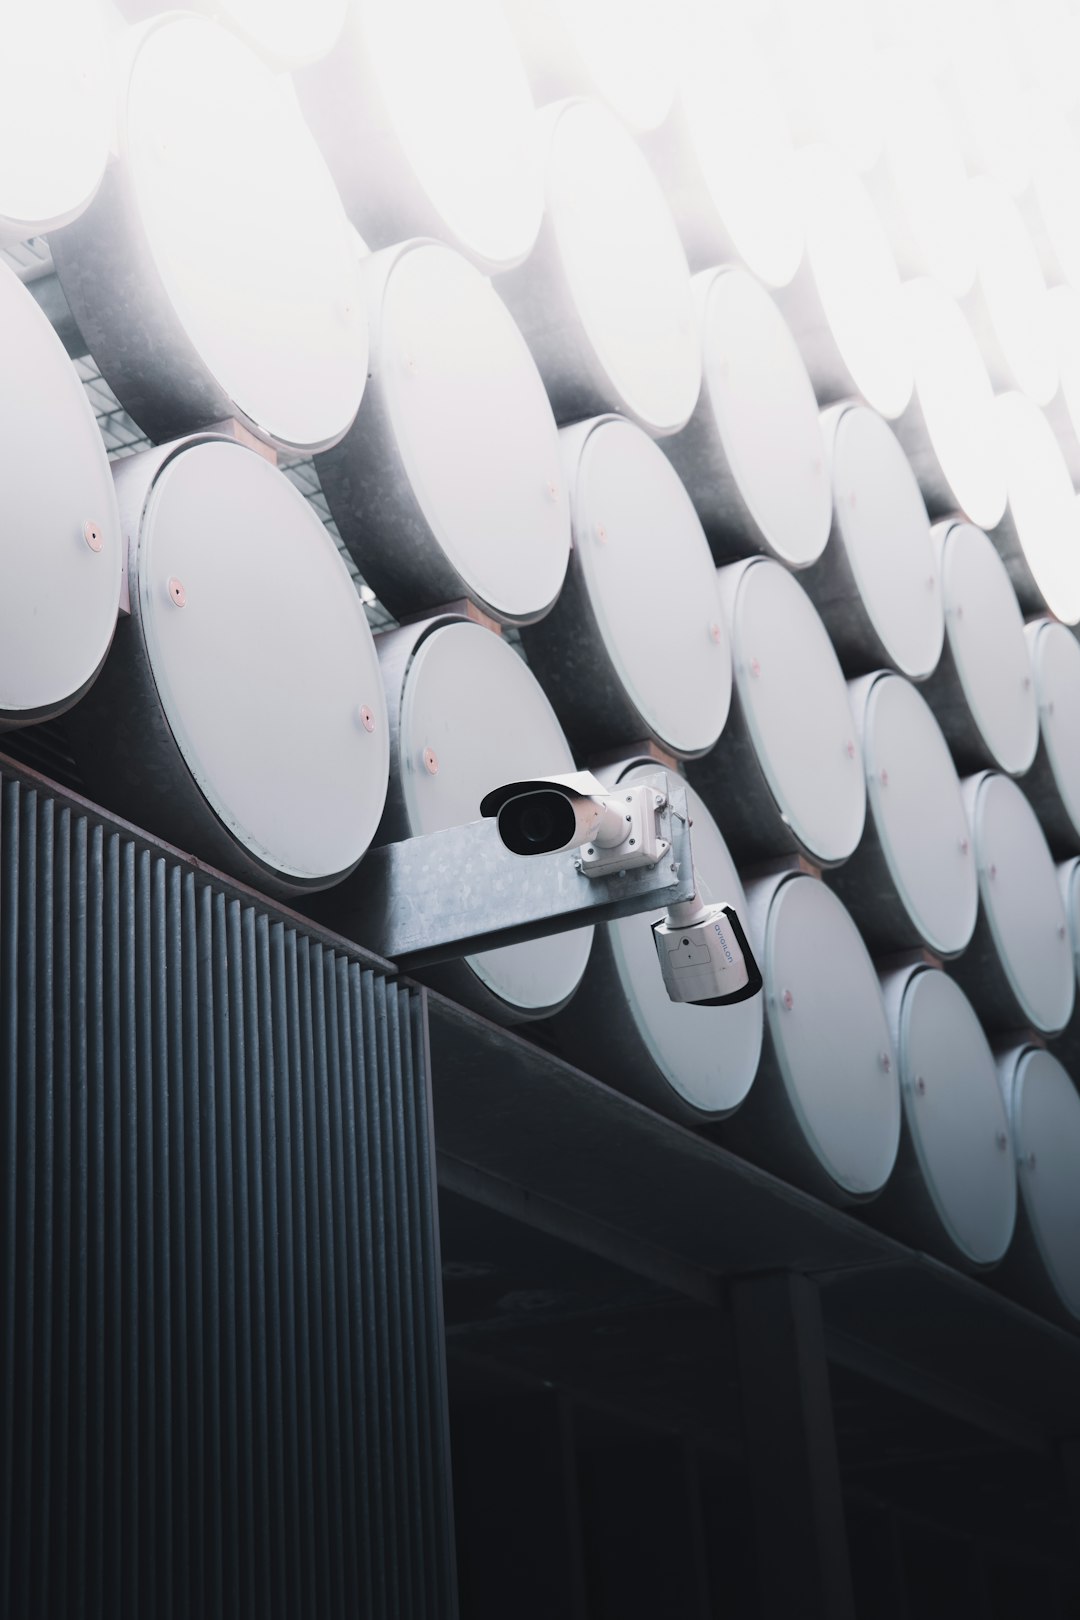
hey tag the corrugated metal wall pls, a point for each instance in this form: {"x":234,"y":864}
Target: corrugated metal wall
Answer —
{"x":221,"y":1361}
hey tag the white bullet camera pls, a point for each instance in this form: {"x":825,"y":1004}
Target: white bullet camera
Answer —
{"x":704,"y":955}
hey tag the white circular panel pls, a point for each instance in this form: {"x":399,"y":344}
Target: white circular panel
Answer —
{"x":60,"y":552}
{"x":918,"y":810}
{"x":265,"y":665}
{"x":1055,"y":660}
{"x":956,"y":398}
{"x":828,"y":1023}
{"x":708,"y":1054}
{"x":796,"y":705}
{"x":766,"y":414}
{"x":1046,"y":1135}
{"x":628,"y":48}
{"x":882,"y":523}
{"x":1056,"y":180}
{"x":652,"y":585}
{"x":1013,"y":286}
{"x":458,"y":101}
{"x":742,"y":143}
{"x":625,"y":265}
{"x":474,"y":711}
{"x":1018,"y":886}
{"x":246,"y":230}
{"x":1063,"y":312}
{"x":55,"y":113}
{"x":475,"y":430}
{"x":956,"y":1116}
{"x":857,"y":281}
{"x":290,"y":35}
{"x":1069,"y":882}
{"x":1042,"y":502}
{"x":986,"y":638}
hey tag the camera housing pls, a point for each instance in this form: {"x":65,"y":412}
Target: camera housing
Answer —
{"x":614,"y":831}
{"x":706,"y":958}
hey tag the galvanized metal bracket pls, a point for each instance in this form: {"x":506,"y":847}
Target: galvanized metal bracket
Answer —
{"x":452,"y":893}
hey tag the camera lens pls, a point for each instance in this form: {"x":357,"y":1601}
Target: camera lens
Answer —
{"x":536,"y":823}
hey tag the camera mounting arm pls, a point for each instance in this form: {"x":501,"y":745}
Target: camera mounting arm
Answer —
{"x":452,"y":893}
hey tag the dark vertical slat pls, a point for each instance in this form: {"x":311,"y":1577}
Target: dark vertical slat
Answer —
{"x":338,"y":1521}
{"x":63,"y":1360}
{"x":358,"y":1296}
{"x":233,"y":1302}
{"x":43,"y":1080}
{"x":321,"y":1462}
{"x":93,"y":1123}
{"x":268,"y":1270}
{"x":204,"y":1247}
{"x":294,"y":1071}
{"x":26,"y":1181}
{"x":187,"y":1046}
{"x":162,"y":1285}
{"x":148,"y":1501}
{"x":10,"y":943}
{"x":131,"y":1246}
{"x":171,"y":1194}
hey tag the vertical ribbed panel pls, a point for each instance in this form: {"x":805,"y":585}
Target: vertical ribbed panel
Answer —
{"x":222,"y":1388}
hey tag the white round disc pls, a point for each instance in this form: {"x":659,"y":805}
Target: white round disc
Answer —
{"x":926,"y":165}
{"x":1013,"y":286}
{"x":624,"y":265}
{"x":1063,"y":312}
{"x":1055,"y":661}
{"x":291,"y":36}
{"x":60,"y":551}
{"x":709,"y":1055}
{"x":918,"y":809}
{"x":55,"y":113}
{"x":766,"y":415}
{"x":796,"y":705}
{"x":1042,"y":502}
{"x":628,"y":48}
{"x":1018,"y":886}
{"x":263,"y":671}
{"x":985,"y":629}
{"x":1056,"y":182}
{"x":956,"y":1116}
{"x":828,"y":1023}
{"x":956,"y":398}
{"x":882,"y":524}
{"x":660,"y":614}
{"x":458,"y":101}
{"x":246,"y":230}
{"x":474,"y":711}
{"x":1069,"y":883}
{"x":857,"y":281}
{"x":475,"y":430}
{"x":739,"y":135}
{"x":1046,"y":1135}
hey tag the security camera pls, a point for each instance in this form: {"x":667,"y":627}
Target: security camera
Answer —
{"x":704,"y":955}
{"x":614,"y":831}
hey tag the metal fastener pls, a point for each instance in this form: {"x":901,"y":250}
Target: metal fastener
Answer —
{"x":755,"y":668}
{"x":367,"y":718}
{"x":1002,"y":1141}
{"x":431,"y":761}
{"x":788,"y":999}
{"x":1031,"y":1161}
{"x":177,"y":593}
{"x":920,"y":1086}
{"x":714,"y":633}
{"x":92,"y":535}
{"x":601,"y":534}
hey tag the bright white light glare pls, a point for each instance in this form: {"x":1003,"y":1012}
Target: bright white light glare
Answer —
{"x":246,"y":230}
{"x":458,"y":101}
{"x":1042,"y":502}
{"x":628,"y":48}
{"x":475,"y":430}
{"x":1013,"y":287}
{"x":832,"y":75}
{"x":55,"y":113}
{"x":857,"y":280}
{"x":766,"y":415}
{"x":1055,"y":177}
{"x":740,"y":137}
{"x":991,"y":106}
{"x":956,"y":399}
{"x":624,"y":264}
{"x":287,"y":33}
{"x":925,"y":163}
